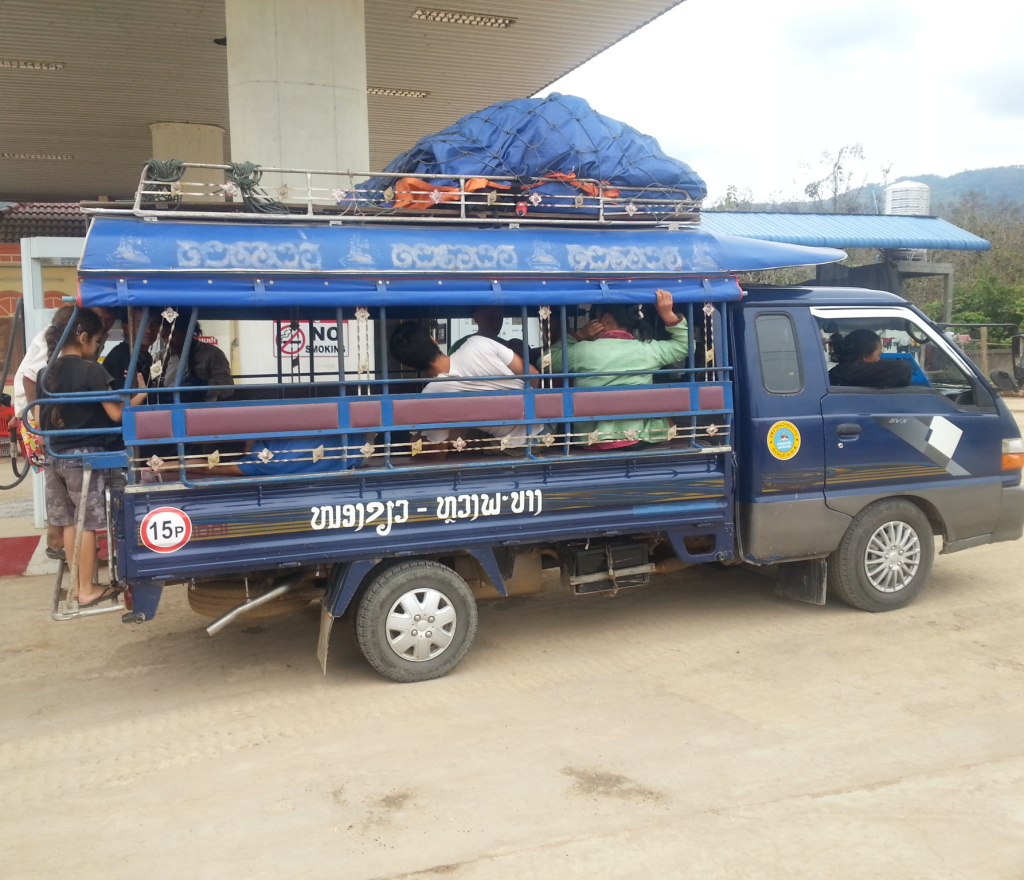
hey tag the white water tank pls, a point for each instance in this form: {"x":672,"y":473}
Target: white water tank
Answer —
{"x":908,"y":197}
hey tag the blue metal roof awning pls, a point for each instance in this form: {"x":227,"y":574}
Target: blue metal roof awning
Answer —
{"x":884,"y":231}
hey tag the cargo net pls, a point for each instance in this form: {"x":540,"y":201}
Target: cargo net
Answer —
{"x":530,"y":160}
{"x":554,"y":154}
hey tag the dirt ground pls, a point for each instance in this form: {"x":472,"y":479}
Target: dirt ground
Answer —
{"x":698,"y":728}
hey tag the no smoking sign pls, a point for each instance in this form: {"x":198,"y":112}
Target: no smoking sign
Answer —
{"x":291,"y":341}
{"x":166,"y":529}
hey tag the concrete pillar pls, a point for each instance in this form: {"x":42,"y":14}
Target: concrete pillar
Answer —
{"x":297,"y":86}
{"x":192,"y":142}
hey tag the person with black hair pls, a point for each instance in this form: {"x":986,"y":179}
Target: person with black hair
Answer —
{"x":119,"y":357}
{"x":37,"y":355}
{"x":76,"y":370}
{"x":488,"y":320}
{"x":858,"y":361}
{"x":619,"y":339}
{"x":207,"y":366}
{"x":478,"y":357}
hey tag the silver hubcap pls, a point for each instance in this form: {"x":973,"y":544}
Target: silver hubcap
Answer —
{"x":421,"y":625}
{"x":892,"y":557}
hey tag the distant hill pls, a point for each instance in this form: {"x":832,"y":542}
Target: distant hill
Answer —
{"x":993,"y":183}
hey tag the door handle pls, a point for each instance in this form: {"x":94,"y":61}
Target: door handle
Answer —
{"x":848,"y":430}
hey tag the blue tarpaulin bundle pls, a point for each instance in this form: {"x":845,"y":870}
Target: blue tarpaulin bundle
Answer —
{"x":557,"y":135}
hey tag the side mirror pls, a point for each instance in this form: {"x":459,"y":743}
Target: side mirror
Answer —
{"x":1017,"y":347}
{"x":1003,"y":380}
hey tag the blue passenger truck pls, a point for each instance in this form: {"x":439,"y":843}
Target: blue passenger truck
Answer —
{"x":836,"y":489}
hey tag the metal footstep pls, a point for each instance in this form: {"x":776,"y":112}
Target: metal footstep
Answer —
{"x":65,"y":606}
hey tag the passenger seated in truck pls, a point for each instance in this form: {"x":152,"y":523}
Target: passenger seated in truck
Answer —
{"x":119,"y":357}
{"x":478,"y":357}
{"x":207,"y":365}
{"x":618,"y":339}
{"x":858,"y":359}
{"x":489,"y":320}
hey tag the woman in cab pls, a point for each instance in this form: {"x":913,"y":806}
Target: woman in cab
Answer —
{"x":858,"y":361}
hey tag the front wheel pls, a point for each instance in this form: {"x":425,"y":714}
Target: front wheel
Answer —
{"x":416,"y":621}
{"x":884,"y":557}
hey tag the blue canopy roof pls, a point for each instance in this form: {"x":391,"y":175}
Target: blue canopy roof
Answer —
{"x":129,"y":261}
{"x":886,"y":231}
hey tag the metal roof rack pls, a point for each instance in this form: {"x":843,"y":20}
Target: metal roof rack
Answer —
{"x":252,"y":192}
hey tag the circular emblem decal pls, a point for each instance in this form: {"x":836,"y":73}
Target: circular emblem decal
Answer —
{"x":783,"y":440}
{"x":166,"y":529}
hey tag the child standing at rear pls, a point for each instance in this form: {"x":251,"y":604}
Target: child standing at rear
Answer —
{"x":76,"y":370}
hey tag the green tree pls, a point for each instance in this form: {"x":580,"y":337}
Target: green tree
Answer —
{"x":988,"y":285}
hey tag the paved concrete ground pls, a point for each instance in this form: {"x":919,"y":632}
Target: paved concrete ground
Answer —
{"x":698,"y":728}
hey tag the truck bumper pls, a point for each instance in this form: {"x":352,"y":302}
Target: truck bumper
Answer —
{"x":1011,"y":517}
{"x":1009,"y":525}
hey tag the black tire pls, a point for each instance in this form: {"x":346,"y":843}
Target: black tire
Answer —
{"x":19,"y":465}
{"x":387,"y":623}
{"x":884,"y":557}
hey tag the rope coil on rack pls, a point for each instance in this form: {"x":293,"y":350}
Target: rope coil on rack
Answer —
{"x":246,"y":176}
{"x":162,"y":176}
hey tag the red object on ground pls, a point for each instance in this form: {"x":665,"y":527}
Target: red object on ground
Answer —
{"x":16,"y":553}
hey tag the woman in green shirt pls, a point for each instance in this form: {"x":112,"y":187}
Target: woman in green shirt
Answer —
{"x":609,"y":342}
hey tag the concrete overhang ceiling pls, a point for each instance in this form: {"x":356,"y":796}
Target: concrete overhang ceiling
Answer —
{"x":81,"y":82}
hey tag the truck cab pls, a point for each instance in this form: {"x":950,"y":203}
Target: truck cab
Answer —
{"x":935,"y":448}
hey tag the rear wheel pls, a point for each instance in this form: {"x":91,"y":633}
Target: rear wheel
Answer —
{"x":884,"y":557}
{"x":416,"y":621}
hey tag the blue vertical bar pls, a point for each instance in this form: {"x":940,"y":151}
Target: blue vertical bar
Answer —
{"x":186,"y":348}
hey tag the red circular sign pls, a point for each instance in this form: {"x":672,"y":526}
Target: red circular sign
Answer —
{"x":166,"y":529}
{"x":291,"y":341}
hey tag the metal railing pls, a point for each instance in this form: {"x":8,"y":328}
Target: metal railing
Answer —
{"x":303,"y":194}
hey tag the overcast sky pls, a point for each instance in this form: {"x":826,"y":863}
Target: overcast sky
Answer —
{"x":751,"y":92}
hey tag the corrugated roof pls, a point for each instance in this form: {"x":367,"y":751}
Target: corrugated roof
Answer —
{"x":886,"y":231}
{"x":20,"y":220}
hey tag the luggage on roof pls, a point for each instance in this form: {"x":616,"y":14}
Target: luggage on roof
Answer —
{"x":560,"y":140}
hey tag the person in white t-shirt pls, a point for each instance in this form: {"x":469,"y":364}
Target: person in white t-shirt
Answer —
{"x":478,"y":356}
